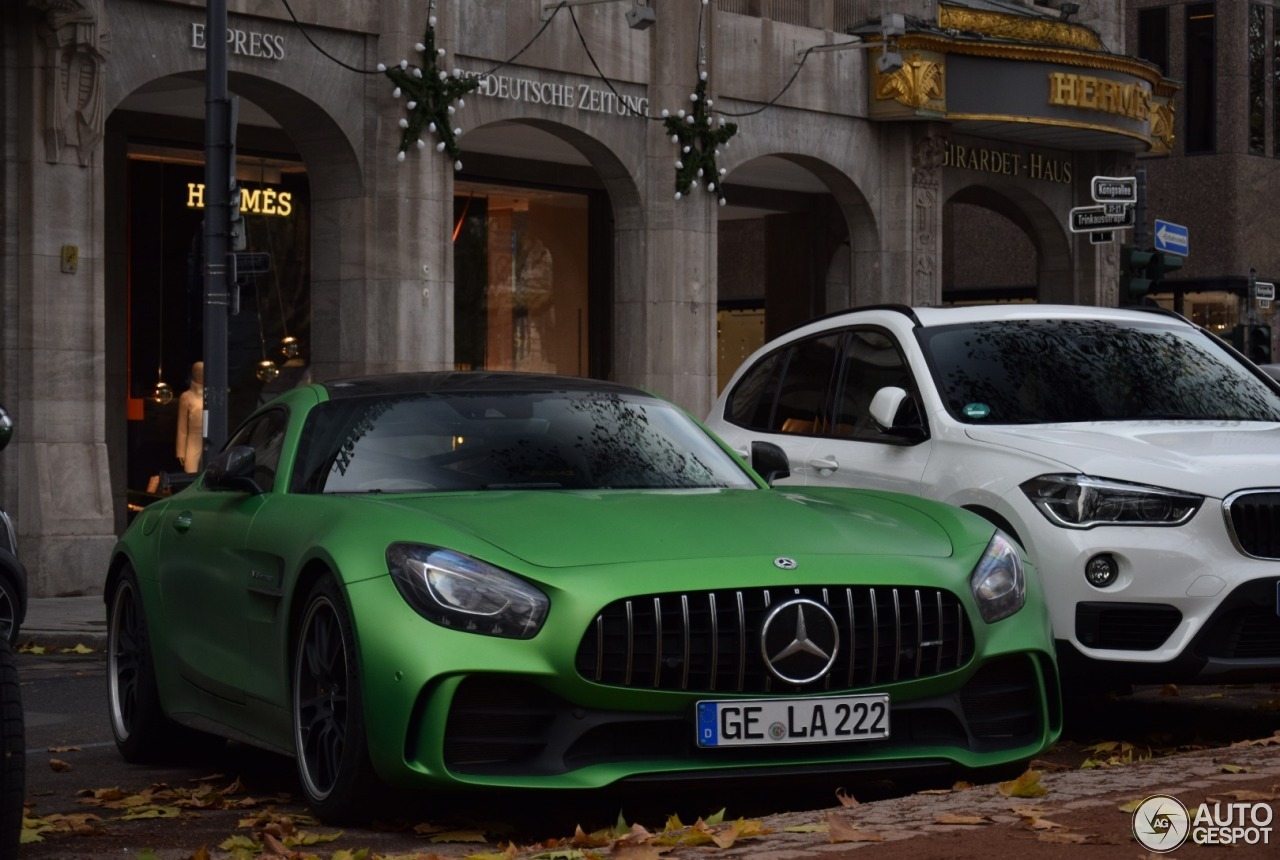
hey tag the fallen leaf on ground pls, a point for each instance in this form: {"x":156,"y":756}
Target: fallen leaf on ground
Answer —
{"x":637,"y":852}
{"x":1169,"y":690}
{"x":1261,"y":742}
{"x":1247,"y":796}
{"x":840,"y":830}
{"x":459,"y":836}
{"x":806,"y":828}
{"x":57,"y":765}
{"x":1027,"y":785}
{"x":1050,"y":766}
{"x":1236,"y":768}
{"x":848,"y":801}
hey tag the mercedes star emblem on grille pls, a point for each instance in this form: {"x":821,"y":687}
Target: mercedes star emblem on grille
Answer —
{"x":799,"y":641}
{"x":784,"y":563}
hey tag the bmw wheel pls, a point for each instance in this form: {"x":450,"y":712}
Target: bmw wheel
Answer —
{"x":143,"y":733}
{"x":328,"y":712}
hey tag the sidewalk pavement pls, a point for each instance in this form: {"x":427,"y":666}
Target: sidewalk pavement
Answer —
{"x":65,"y":622}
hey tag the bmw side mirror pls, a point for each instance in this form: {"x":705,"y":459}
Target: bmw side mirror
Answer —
{"x":886,"y":409}
{"x":6,"y":427}
{"x":770,"y":461}
{"x":233,"y":469}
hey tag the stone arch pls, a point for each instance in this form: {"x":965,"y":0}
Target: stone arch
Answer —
{"x":1040,"y":222}
{"x":819,"y":204}
{"x":533,"y":149}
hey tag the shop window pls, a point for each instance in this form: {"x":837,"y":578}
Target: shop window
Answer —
{"x":520,"y":279}
{"x":1200,"y":90}
{"x":1257,"y":79}
{"x":165,"y":290}
{"x":1275,"y":85}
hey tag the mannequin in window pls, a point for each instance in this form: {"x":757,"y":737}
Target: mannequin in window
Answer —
{"x":191,"y":421}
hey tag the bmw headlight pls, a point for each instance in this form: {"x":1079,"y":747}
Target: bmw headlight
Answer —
{"x":1081,"y":502}
{"x":465,"y":593}
{"x":998,"y":582}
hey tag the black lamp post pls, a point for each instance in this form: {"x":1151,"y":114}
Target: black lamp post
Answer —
{"x":218,"y":173}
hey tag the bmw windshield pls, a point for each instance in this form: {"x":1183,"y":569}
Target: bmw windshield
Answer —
{"x":1051,"y":371}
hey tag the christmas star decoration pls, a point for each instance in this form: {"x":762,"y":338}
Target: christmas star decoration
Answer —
{"x":699,"y":141}
{"x":430,"y":94}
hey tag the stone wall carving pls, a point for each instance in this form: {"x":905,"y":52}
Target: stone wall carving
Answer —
{"x":78,"y":42}
{"x":926,"y":181}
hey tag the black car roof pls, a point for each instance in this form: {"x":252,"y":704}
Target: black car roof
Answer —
{"x":469,"y":381}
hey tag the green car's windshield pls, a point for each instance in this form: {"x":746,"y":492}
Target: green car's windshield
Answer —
{"x":1052,"y":371}
{"x":451,"y":441}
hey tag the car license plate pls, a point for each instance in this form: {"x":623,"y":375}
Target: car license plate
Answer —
{"x":767,"y":722}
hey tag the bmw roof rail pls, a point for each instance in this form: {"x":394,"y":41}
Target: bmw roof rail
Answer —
{"x":906,"y":310}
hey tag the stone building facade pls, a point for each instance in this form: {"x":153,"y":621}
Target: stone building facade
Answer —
{"x":555,"y":240}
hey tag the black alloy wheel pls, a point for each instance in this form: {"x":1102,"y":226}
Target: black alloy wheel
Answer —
{"x":328,"y":714}
{"x":142,"y":731}
{"x":8,"y":611}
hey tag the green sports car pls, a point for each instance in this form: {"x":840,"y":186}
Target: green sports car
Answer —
{"x":503,"y":580}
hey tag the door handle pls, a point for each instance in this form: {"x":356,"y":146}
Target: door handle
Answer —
{"x":182,"y":521}
{"x":824,"y":464}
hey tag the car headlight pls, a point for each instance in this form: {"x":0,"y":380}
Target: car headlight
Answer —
{"x":998,"y":582}
{"x":1081,"y":502}
{"x":465,"y":593}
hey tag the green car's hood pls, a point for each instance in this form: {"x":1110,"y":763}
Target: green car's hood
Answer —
{"x":553,"y":528}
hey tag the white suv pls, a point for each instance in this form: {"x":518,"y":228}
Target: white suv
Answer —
{"x":1135,"y":456}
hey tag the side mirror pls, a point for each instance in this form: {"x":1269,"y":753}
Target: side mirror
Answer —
{"x":885,"y":406}
{"x":770,"y":461}
{"x":6,"y":427}
{"x":233,"y":469}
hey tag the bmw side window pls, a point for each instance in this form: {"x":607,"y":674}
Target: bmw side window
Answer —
{"x":804,"y":395}
{"x":789,"y":390}
{"x":871,"y":361}
{"x":265,"y":436}
{"x":751,"y":403}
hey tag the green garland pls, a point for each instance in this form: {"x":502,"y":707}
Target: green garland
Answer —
{"x":431,"y":93}
{"x":699,"y":142}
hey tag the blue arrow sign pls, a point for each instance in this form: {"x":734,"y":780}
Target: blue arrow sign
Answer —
{"x":1172,"y":238}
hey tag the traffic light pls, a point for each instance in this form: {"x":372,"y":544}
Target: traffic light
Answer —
{"x":1142,"y":270}
{"x":1161,"y":265}
{"x":1254,"y":341}
{"x":235,"y":217}
{"x":1260,"y":344}
{"x":1135,"y":280}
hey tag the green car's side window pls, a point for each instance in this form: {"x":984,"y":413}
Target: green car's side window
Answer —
{"x":265,"y":435}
